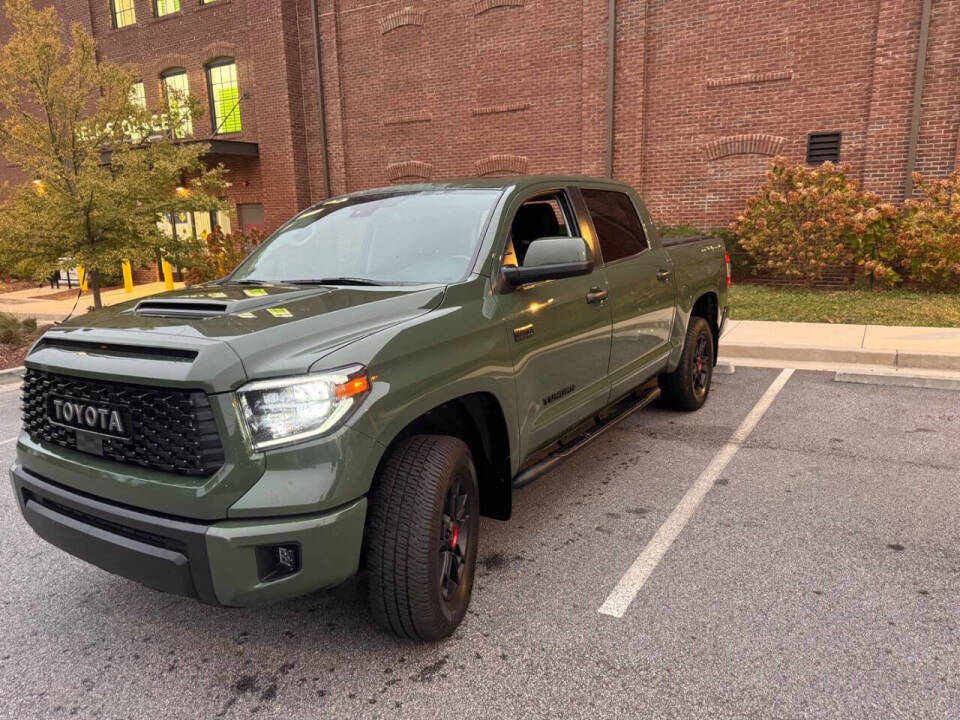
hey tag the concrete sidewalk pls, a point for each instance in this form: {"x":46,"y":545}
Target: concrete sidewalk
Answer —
{"x":877,"y":346}
{"x":25,"y":303}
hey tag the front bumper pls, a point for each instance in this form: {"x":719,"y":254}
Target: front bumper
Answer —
{"x":213,"y":562}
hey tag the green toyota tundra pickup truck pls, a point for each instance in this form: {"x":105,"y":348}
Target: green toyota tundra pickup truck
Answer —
{"x":387,"y":367}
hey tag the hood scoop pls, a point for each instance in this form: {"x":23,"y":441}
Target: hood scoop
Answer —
{"x":180,"y":308}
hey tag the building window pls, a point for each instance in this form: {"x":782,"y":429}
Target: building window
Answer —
{"x":176,"y":90}
{"x":165,"y":7}
{"x":194,"y":225}
{"x":138,"y":95}
{"x":823,"y":147}
{"x":123,"y":13}
{"x":224,"y":96}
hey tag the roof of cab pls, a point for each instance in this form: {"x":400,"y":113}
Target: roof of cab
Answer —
{"x":495,"y":183}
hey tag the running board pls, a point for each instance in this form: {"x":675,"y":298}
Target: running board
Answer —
{"x":628,"y":408}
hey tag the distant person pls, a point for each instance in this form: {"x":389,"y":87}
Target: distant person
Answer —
{"x":55,"y":280}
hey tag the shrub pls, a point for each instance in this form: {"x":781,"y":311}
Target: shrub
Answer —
{"x":671,"y":231}
{"x":219,"y":254}
{"x":928,"y":235}
{"x":807,"y":220}
{"x":14,"y":331}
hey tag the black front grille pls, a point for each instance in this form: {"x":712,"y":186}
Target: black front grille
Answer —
{"x":170,"y":430}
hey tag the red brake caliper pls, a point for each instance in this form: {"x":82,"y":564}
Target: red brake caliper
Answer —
{"x":454,"y":536}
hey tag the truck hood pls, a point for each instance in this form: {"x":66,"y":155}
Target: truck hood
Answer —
{"x":233,"y":333}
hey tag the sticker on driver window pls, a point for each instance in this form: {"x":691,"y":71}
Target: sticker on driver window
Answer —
{"x":280,"y":312}
{"x":254,"y":292}
{"x":246,"y":315}
{"x":217,"y":295}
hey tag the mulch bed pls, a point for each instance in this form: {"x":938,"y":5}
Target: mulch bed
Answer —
{"x":16,"y":285}
{"x":12,"y":356}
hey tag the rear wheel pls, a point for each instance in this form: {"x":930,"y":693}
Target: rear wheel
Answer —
{"x":421,"y":537}
{"x":687,"y":387}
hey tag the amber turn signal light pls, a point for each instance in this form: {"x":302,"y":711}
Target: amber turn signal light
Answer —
{"x":354,"y":386}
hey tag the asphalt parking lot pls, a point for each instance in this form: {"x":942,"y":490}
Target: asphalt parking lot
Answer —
{"x":819,"y":576}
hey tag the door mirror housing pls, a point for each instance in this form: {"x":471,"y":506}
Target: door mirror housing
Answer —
{"x":550,"y":258}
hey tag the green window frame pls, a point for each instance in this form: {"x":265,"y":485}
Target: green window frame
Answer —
{"x":123,"y":13}
{"x":165,"y":7}
{"x":223,"y":88}
{"x":174,"y":81}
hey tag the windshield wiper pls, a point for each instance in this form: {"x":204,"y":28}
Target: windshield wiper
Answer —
{"x":333,"y":281}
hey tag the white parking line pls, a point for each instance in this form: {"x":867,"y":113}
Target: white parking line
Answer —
{"x":630,"y":584}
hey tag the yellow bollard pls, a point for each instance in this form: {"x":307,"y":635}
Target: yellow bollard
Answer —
{"x":167,"y":274}
{"x":82,"y":277}
{"x":127,"y":277}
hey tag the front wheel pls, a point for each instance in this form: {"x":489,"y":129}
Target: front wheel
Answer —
{"x":421,"y":537}
{"x":687,"y":387}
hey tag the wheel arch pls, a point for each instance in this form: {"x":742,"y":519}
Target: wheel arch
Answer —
{"x":478,"y":419}
{"x":707,"y":306}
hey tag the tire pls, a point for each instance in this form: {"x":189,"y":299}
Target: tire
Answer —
{"x":422,"y":531}
{"x":687,"y":387}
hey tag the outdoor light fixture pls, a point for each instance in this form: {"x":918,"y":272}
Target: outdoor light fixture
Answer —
{"x":40,"y":187}
{"x":182,"y":191}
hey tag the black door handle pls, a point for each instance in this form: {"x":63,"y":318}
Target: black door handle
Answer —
{"x":596,"y":295}
{"x":664,"y":275}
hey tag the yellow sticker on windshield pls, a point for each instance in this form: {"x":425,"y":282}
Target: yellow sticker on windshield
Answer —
{"x":217,"y":295}
{"x":254,"y":292}
{"x":246,"y":315}
{"x":280,"y":312}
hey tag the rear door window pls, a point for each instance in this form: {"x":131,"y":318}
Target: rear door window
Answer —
{"x":618,"y":226}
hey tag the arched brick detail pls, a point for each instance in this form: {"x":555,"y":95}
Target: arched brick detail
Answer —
{"x":171,"y":61}
{"x":216,"y":50}
{"x":755,"y":144}
{"x":404,"y":16}
{"x":514,"y":164}
{"x":409,"y":168}
{"x":481,"y":6}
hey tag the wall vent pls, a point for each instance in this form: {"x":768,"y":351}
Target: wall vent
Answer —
{"x":823,"y":147}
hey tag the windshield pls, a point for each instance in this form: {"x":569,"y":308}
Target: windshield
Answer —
{"x":390,"y":237}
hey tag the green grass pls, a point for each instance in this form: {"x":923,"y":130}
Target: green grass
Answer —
{"x":886,"y":307}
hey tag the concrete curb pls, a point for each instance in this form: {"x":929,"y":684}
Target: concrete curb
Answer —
{"x":852,"y":356}
{"x":13,"y":375}
{"x":880,"y":377}
{"x":724,"y":367}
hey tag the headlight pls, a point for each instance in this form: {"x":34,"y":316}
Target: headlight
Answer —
{"x":286,"y":410}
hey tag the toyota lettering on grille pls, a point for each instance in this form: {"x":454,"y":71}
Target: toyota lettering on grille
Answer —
{"x":103,"y":418}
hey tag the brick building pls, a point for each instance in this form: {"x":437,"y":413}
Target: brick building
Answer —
{"x":703,"y":92}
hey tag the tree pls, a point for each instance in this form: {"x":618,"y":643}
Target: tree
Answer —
{"x":63,"y":112}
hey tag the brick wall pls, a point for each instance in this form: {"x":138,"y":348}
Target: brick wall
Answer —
{"x":706,"y":91}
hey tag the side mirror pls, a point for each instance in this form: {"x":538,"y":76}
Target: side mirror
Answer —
{"x":550,"y":258}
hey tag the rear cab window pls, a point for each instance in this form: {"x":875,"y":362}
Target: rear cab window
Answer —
{"x":618,"y":227}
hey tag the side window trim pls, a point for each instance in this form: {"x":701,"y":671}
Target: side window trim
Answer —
{"x":643,"y":228}
{"x":586,"y":223}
